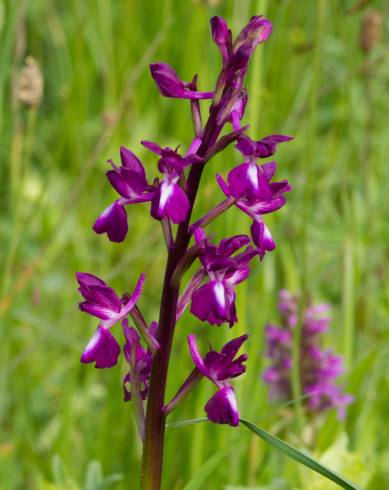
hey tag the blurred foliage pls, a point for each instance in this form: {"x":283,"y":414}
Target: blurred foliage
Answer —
{"x":64,"y":425}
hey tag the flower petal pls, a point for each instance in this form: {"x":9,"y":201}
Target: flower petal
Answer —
{"x":102,"y":349}
{"x":196,"y":356}
{"x":170,"y":201}
{"x":262,"y":238}
{"x":113,"y":221}
{"x":209,"y":303}
{"x":222,"y":407}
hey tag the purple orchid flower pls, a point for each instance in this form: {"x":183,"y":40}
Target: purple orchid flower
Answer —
{"x":139,"y":360}
{"x":170,"y":85}
{"x":254,"y":193}
{"x":263,"y":148}
{"x":214,"y":302}
{"x":220,"y":367}
{"x":102,"y":302}
{"x":130,"y":182}
{"x":170,"y":200}
{"x":319,"y":368}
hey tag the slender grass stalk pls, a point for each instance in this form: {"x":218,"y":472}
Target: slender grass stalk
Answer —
{"x":306,"y":215}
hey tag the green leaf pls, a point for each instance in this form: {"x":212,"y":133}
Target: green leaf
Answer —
{"x":183,"y":423}
{"x":300,"y":457}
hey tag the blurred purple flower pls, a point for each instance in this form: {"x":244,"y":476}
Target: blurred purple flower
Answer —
{"x":319,"y":368}
{"x":220,"y":367}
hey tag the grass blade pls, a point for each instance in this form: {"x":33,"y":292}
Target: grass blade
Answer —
{"x":300,"y":457}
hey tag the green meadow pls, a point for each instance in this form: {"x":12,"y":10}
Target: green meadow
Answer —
{"x":64,"y":425}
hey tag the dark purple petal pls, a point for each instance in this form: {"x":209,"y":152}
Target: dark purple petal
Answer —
{"x":223,"y":185}
{"x":228,"y":246}
{"x":255,"y":32}
{"x":86,"y":280}
{"x":246,"y":145}
{"x":113,"y":221}
{"x":243,"y":180}
{"x":133,"y":298}
{"x":99,"y":311}
{"x":231,"y":348}
{"x":269,"y":169}
{"x":102,"y":349}
{"x":153,"y":147}
{"x":170,"y":201}
{"x":128,"y":183}
{"x":238,"y":276}
{"x":214,"y":303}
{"x":222,"y":407}
{"x":196,"y":356}
{"x":220,"y":31}
{"x":167,"y":80}
{"x":170,"y":85}
{"x":131,"y":161}
{"x":262,"y":238}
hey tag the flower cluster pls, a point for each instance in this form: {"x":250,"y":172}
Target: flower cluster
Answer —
{"x":211,"y":292}
{"x":318,"y":368}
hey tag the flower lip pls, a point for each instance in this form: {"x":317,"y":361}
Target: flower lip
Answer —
{"x":222,"y":408}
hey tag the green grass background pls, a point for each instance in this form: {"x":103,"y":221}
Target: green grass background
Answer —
{"x":63,"y":424}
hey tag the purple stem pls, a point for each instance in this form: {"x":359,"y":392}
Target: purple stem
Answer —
{"x":155,"y":417}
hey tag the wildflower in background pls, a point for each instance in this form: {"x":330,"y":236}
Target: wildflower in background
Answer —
{"x":102,"y":302}
{"x":220,"y":367}
{"x":319,"y":369}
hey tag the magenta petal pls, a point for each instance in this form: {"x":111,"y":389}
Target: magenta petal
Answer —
{"x":262,"y":238}
{"x":135,"y":295}
{"x":85,"y":280}
{"x":113,"y":221}
{"x":167,"y":80}
{"x":102,"y":312}
{"x":220,"y":31}
{"x":131,"y":161}
{"x":102,"y":349}
{"x":196,"y":356}
{"x":244,"y":180}
{"x":170,"y":201}
{"x":231,"y":348}
{"x":222,"y":407}
{"x":153,"y":147}
{"x":210,"y":303}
